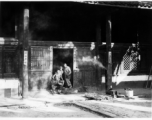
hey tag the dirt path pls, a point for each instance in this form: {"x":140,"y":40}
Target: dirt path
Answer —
{"x":38,"y":108}
{"x":48,"y":111}
{"x":117,"y":111}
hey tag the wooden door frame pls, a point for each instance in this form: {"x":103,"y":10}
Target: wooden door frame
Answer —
{"x":74,"y":57}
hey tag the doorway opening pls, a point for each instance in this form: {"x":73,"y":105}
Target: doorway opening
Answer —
{"x":61,"y":56}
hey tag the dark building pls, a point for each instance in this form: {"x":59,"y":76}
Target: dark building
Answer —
{"x":38,"y":37}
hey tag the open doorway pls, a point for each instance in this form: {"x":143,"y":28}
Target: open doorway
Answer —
{"x":61,"y":56}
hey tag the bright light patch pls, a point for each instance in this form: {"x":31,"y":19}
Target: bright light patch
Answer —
{"x":93,"y":60}
{"x":67,"y":45}
{"x":92,"y":46}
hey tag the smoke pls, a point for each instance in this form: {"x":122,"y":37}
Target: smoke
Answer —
{"x":41,"y":21}
{"x":94,"y":61}
{"x":65,"y":53}
{"x":42,"y":24}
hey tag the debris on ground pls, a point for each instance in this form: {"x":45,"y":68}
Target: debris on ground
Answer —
{"x":70,"y":91}
{"x":94,"y":96}
{"x":25,"y":107}
{"x":20,"y":107}
{"x":112,"y":92}
{"x":120,"y":95}
{"x":82,"y":89}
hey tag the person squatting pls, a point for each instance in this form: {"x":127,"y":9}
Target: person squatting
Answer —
{"x":57,"y":81}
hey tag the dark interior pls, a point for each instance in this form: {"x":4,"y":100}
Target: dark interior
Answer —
{"x":61,"y":56}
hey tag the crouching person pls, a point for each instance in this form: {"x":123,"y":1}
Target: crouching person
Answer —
{"x":60,"y":86}
{"x":57,"y":83}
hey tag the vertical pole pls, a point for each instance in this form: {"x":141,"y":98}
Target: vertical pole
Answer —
{"x":16,"y":28}
{"x":17,"y":52}
{"x":3,"y":61}
{"x":20,"y":39}
{"x":29,"y":67}
{"x":150,"y":40}
{"x":1,"y":36}
{"x":0,"y":20}
{"x":25,"y":52}
{"x":109,"y":53}
{"x":98,"y":42}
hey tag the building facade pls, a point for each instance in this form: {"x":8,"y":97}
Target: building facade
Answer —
{"x":93,"y":40}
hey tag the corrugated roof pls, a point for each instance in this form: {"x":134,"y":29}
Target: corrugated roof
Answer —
{"x":130,"y":4}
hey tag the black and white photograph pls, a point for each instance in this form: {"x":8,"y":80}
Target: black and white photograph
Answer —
{"x":75,"y":59}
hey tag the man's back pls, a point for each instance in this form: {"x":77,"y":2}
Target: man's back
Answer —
{"x":56,"y":77}
{"x":67,"y":70}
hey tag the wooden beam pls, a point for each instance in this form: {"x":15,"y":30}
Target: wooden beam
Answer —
{"x":16,"y":28}
{"x":109,"y":53}
{"x":25,"y":52}
{"x":98,"y":42}
{"x":0,"y":19}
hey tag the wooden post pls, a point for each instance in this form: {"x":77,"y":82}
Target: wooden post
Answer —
{"x":20,"y":47}
{"x":29,"y":67}
{"x":109,"y":53}
{"x":0,"y":20}
{"x":16,"y":28}
{"x":25,"y":52}
{"x":98,"y":42}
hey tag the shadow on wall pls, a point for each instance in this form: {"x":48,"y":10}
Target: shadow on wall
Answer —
{"x":39,"y":80}
{"x":40,"y":68}
{"x":130,"y":84}
{"x":127,"y":82}
{"x":129,"y":63}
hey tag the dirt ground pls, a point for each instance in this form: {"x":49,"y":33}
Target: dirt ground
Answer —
{"x":43,"y":104}
{"x":118,"y":112}
{"x":46,"y":112}
{"x":138,"y":107}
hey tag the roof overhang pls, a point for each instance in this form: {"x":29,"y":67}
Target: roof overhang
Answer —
{"x":124,"y":4}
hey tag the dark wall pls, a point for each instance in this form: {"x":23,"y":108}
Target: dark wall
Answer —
{"x":145,"y":34}
{"x":124,"y":26}
{"x":10,"y":12}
